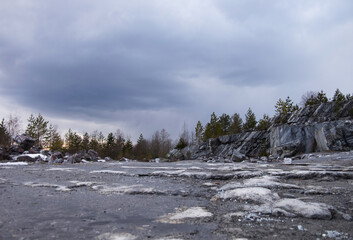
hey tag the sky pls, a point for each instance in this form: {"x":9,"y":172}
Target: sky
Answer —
{"x":140,"y":66}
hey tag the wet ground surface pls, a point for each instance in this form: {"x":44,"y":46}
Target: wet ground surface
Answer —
{"x":308,"y":199}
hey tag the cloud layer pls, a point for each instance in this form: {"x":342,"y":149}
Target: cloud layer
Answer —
{"x":142,"y":65}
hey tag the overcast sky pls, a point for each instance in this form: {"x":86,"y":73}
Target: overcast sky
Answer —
{"x":141,"y":66}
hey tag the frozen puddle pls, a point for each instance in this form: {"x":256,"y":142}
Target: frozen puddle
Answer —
{"x":61,"y":188}
{"x":116,"y":236}
{"x":190,"y":213}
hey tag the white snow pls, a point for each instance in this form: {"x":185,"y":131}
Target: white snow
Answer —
{"x":116,"y":236}
{"x":63,"y":169}
{"x":193,"y":212}
{"x":14,"y":164}
{"x":44,"y":157}
{"x":255,"y":194}
{"x":304,"y":209}
{"x":61,"y":188}
{"x":131,"y":189}
{"x":108,"y":171}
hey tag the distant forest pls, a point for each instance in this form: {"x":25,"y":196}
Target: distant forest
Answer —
{"x":115,"y":145}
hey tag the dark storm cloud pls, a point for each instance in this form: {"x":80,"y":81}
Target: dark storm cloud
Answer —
{"x":93,"y":58}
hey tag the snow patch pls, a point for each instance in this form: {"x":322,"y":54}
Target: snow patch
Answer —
{"x":132,"y":189}
{"x":116,"y":236}
{"x":254,"y":194}
{"x":62,"y":169}
{"x":83,"y":184}
{"x":14,"y":164}
{"x":305,"y":209}
{"x":61,"y":188}
{"x":108,"y":171}
{"x":190,"y":213}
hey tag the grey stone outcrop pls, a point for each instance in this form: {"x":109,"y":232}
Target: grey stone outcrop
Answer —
{"x":317,"y":128}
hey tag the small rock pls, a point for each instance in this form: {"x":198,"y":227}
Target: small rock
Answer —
{"x":287,"y":161}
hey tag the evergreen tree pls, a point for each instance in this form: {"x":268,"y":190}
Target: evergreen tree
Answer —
{"x":85,"y":141}
{"x":4,"y":135}
{"x":119,"y":144}
{"x":236,"y":124}
{"x":141,"y":149}
{"x":338,"y":96}
{"x":51,"y":136}
{"x":338,"y":99}
{"x":313,"y":98}
{"x":109,"y":146}
{"x":199,"y":132}
{"x":250,"y":120}
{"x":285,"y":107}
{"x":37,"y":128}
{"x":213,"y":129}
{"x":264,"y":123}
{"x":225,"y":122}
{"x":181,"y":144}
{"x":72,"y":141}
{"x":127,"y":149}
{"x":93,"y":143}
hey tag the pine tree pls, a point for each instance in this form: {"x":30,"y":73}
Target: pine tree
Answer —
{"x":313,"y":98}
{"x":199,"y":132}
{"x":109,"y":146}
{"x":37,"y":128}
{"x":285,"y":107}
{"x":264,"y":123}
{"x":213,"y":129}
{"x":236,"y":124}
{"x":4,"y":135}
{"x":339,"y":99}
{"x":85,"y":141}
{"x":72,"y":141}
{"x":225,"y":122}
{"x":250,"y":120}
{"x":127,"y":149}
{"x":50,"y":136}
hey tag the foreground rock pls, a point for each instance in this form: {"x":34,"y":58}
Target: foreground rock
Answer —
{"x":305,"y":199}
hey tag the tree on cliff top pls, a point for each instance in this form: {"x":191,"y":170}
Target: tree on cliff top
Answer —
{"x":236,"y":124}
{"x":250,"y":120}
{"x":313,"y":98}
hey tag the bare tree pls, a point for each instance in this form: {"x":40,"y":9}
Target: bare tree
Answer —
{"x":185,"y":134}
{"x":165,"y":143}
{"x":13,"y":125}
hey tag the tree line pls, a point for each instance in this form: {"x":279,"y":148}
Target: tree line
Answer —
{"x":116,"y":145}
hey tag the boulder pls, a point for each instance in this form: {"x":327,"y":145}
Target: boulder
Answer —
{"x":4,"y":155}
{"x":24,"y":141}
{"x":93,"y":155}
{"x":25,"y":158}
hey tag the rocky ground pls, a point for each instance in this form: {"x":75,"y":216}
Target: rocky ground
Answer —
{"x":310,"y":198}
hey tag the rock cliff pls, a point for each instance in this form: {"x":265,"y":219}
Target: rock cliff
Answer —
{"x":317,"y":128}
